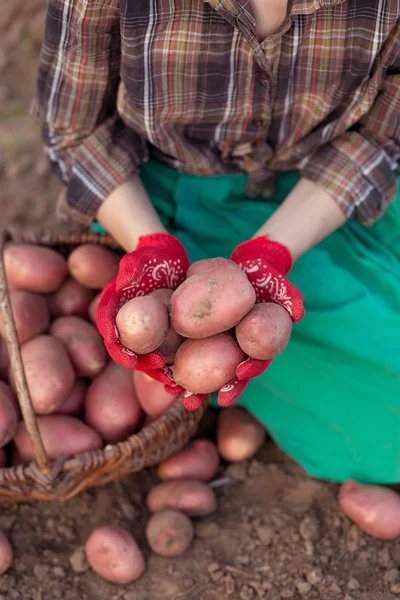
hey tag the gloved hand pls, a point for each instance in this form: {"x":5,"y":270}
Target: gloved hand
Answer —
{"x":265,"y":263}
{"x":159,"y":261}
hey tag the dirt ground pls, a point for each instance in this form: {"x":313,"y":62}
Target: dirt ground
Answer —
{"x":277,"y":534}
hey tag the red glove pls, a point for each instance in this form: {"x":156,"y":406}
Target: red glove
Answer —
{"x":159,"y":261}
{"x":265,"y":263}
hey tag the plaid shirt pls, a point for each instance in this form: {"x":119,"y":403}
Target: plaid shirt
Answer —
{"x":188,"y":82}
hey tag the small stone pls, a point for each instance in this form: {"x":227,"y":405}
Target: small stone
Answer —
{"x":78,"y":561}
{"x":303,"y":587}
{"x":265,"y":534}
{"x":391,"y":576}
{"x":41,"y":571}
{"x":309,"y":528}
{"x":128,"y":510}
{"x":247,"y":592}
{"x":215,"y":572}
{"x":395,"y":588}
{"x":287,"y":593}
{"x":335,"y":589}
{"x":207,"y":530}
{"x":229,"y":584}
{"x":59,"y":572}
{"x":188,"y":582}
{"x":266,"y":585}
{"x":243,"y":559}
{"x":237,"y":471}
{"x":315,"y":576}
{"x":353,"y":584}
{"x":309,"y":548}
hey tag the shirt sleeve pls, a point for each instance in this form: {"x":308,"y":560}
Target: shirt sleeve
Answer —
{"x":360,"y":168}
{"x":90,"y":146}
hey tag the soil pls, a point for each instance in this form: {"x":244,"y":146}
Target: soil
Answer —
{"x":277,"y":534}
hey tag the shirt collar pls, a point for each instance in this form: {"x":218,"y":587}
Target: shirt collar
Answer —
{"x":242,"y":8}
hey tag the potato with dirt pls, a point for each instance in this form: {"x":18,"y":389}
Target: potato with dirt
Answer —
{"x":204,"y":366}
{"x":83,"y":343}
{"x":62,"y":436}
{"x":49,"y":372}
{"x":111,"y":405}
{"x":199,"y":460}
{"x":211,"y":302}
{"x":142,"y":324}
{"x":34,"y":268}
{"x":265,"y":331}
{"x":31,"y":315}
{"x":169,"y":532}
{"x":194,"y":498}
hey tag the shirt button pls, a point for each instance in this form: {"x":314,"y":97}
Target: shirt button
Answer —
{"x":257,"y":123}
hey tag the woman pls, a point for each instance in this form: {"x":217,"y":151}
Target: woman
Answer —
{"x":226,"y":120}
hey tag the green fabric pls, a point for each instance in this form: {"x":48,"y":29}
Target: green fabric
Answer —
{"x":332,"y":399}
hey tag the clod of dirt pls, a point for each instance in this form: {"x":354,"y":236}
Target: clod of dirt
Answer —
{"x":78,"y":561}
{"x":309,"y":528}
{"x":207,"y":530}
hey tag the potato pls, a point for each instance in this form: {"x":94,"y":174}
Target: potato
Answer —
{"x":72,"y":298}
{"x":93,"y":308}
{"x":151,"y":394}
{"x":8,"y":415}
{"x":199,"y":460}
{"x":239,"y":434}
{"x":62,"y":436}
{"x":169,"y":533}
{"x":164,"y":295}
{"x":93,"y":266}
{"x":170,"y":345}
{"x":114,"y":555}
{"x":6,"y":554}
{"x":111,"y":405}
{"x":204,"y":366}
{"x":31,"y":315}
{"x":73,"y":405}
{"x":209,"y":263}
{"x":34,"y":268}
{"x":49,"y":372}
{"x":194,"y":498}
{"x":265,"y":331}
{"x":142,"y":324}
{"x":84,"y":344}
{"x":211,"y":302}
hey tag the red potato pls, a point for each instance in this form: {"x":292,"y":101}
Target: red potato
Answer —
{"x":209,"y":263}
{"x":193,"y":498}
{"x":84,"y":344}
{"x":62,"y":436}
{"x":93,"y":266}
{"x":169,"y":533}
{"x":93,"y":308}
{"x":114,"y":555}
{"x":73,"y":405}
{"x":151,"y":394}
{"x":204,"y":366}
{"x":265,"y":331}
{"x":49,"y":373}
{"x":199,"y":461}
{"x":34,"y":268}
{"x":6,"y":390}
{"x":111,"y":406}
{"x":8,"y":415}
{"x":211,"y":302}
{"x":6,"y":554}
{"x":31,"y":315}
{"x":72,"y":298}
{"x":142,"y":324}
{"x":172,"y":339}
{"x":239,"y":434}
{"x":164,"y":295}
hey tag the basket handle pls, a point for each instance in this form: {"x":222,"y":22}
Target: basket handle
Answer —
{"x":14,"y":351}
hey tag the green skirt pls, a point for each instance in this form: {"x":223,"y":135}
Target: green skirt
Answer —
{"x":332,"y":399}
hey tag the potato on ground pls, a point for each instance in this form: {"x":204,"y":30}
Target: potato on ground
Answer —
{"x":62,"y":436}
{"x":199,"y":461}
{"x":142,"y":324}
{"x":31,"y":315}
{"x":8,"y":414}
{"x":72,"y":298}
{"x":239,"y":434}
{"x":204,"y":366}
{"x":151,"y":394}
{"x":111,"y":405}
{"x":209,"y":263}
{"x":49,"y":372}
{"x":84,"y":344}
{"x":6,"y":554}
{"x":114,"y":555}
{"x":93,"y":266}
{"x":211,"y":302}
{"x":73,"y":405}
{"x":265,"y":331}
{"x":34,"y":268}
{"x":193,"y":498}
{"x":169,"y":532}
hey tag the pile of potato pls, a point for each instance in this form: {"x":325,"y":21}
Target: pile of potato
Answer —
{"x":84,"y":400}
{"x":207,"y":327}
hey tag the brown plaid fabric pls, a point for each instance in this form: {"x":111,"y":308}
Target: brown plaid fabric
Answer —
{"x":188,"y":82}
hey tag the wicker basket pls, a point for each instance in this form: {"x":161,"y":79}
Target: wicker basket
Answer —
{"x":63,"y":478}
